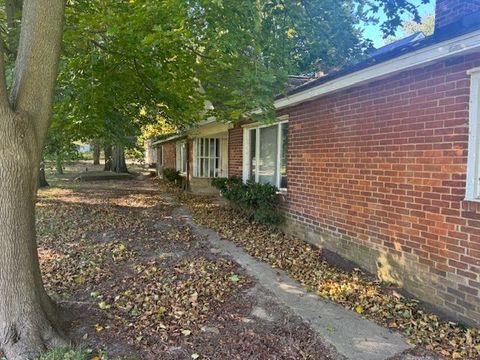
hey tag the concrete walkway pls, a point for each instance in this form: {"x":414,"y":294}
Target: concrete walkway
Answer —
{"x":352,"y":336}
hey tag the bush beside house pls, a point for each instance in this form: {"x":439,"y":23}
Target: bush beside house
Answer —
{"x":259,"y":202}
{"x":172,"y":175}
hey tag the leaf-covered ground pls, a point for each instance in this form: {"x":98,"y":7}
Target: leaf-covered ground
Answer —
{"x":354,"y":290}
{"x":136,"y":281}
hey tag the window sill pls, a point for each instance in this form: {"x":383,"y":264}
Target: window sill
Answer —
{"x":475,"y":200}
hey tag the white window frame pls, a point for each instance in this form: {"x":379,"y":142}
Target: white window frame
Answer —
{"x":246,"y":151}
{"x":162,"y":160}
{"x":197,"y":157}
{"x":473,"y":166}
{"x":181,"y":157}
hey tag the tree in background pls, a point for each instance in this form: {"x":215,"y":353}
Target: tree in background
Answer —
{"x":426,"y":26}
{"x":120,"y":57}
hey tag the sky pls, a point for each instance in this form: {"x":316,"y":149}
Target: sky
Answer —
{"x":374,"y":33}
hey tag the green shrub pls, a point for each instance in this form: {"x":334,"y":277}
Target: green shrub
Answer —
{"x":66,"y":354}
{"x":258,"y":201}
{"x":220,"y":183}
{"x":76,"y":354}
{"x":171,"y":175}
{"x":268,"y":216}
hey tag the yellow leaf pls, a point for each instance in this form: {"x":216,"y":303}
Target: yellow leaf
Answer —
{"x":99,"y":328}
{"x":80,"y":280}
{"x":359,"y":309}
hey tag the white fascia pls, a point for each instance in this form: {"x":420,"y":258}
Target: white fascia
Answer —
{"x":460,"y":45}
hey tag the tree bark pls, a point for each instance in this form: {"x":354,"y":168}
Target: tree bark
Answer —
{"x":119,"y":164}
{"x":96,"y":153}
{"x":108,"y":158}
{"x":42,"y":178}
{"x":28,"y":321}
{"x":59,"y":165}
{"x":29,"y":324}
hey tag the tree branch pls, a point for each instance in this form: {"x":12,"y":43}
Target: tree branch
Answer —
{"x":37,"y":61}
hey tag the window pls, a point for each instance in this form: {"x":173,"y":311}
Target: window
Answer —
{"x":473,"y":174}
{"x":266,"y":154}
{"x":182,"y":157}
{"x":207,"y":158}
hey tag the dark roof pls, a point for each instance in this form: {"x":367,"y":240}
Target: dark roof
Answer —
{"x":465,"y":25}
{"x":296,"y":80}
{"x":399,"y":43}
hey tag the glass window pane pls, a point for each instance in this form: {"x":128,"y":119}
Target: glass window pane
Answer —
{"x":212,"y":148}
{"x":253,"y":155}
{"x":284,"y":156}
{"x":185,"y":157}
{"x":212,"y":167}
{"x":268,"y":155}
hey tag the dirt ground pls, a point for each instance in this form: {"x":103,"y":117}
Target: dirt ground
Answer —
{"x":136,"y":281}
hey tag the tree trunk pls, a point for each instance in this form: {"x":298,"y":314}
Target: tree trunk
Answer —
{"x":96,"y":153}
{"x":42,"y":179}
{"x":108,"y":158}
{"x":59,"y":165}
{"x":118,"y":164}
{"x":28,"y":318}
{"x":28,"y":321}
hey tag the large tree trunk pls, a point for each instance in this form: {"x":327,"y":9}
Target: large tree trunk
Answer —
{"x":108,"y":157}
{"x":118,"y":162}
{"x":28,"y":319}
{"x":42,"y":178}
{"x":59,"y":164}
{"x":96,"y":153}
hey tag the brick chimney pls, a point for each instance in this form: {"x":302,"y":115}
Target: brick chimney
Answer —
{"x":452,"y":11}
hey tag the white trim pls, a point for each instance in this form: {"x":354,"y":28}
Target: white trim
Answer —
{"x":246,"y":150}
{"x":181,"y":156}
{"x":246,"y":154}
{"x":279,"y":154}
{"x":473,"y":71}
{"x":473,"y":166}
{"x":459,"y":45}
{"x":257,"y":152}
{"x":217,"y":141}
{"x":171,"y":138}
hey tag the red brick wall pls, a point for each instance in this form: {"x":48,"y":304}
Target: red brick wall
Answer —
{"x":449,"y":11}
{"x":383,"y":168}
{"x":235,"y":151}
{"x":170,"y":155}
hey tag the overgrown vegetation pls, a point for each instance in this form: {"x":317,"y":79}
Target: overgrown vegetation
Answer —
{"x":75,"y":354}
{"x":259,"y":202}
{"x":172,"y":175}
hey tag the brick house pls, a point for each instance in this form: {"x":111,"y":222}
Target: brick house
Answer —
{"x":199,"y":154}
{"x":380,"y":162}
